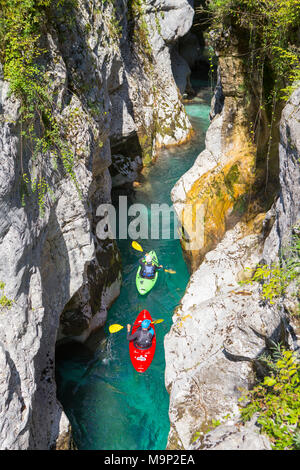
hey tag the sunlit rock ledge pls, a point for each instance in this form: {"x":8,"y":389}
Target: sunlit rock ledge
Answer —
{"x":221,"y":327}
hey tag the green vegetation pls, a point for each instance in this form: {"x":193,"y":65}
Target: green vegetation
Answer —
{"x":276,"y":400}
{"x":5,"y":302}
{"x":140,"y":30}
{"x":157,"y":22}
{"x":269,"y":47}
{"x":274,"y":280}
{"x":276,"y":277}
{"x":114,"y":26}
{"x":21,"y":52}
{"x":271,"y":28}
{"x":213,"y":423}
{"x":232,"y":177}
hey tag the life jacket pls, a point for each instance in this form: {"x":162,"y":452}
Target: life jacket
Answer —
{"x":144,"y":341}
{"x":148,"y":270}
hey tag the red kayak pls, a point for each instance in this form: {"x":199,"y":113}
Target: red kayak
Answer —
{"x":141,"y":358}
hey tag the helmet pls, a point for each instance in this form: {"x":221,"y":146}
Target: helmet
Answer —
{"x":145,"y":323}
{"x":148,"y":258}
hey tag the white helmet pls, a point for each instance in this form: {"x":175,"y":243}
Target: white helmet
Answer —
{"x":148,"y":258}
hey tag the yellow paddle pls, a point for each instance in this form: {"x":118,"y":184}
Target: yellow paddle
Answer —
{"x":138,"y":247}
{"x":115,"y":328}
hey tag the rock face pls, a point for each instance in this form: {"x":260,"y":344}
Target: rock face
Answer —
{"x":229,"y":437}
{"x":221,"y":179}
{"x":220,"y":328}
{"x":61,"y":277}
{"x":46,"y":263}
{"x":287,"y":209}
{"x":147,"y":112}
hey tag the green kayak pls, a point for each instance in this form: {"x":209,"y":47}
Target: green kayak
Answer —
{"x":143,"y":284}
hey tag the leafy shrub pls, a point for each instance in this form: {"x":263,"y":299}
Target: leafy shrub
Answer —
{"x":5,"y":302}
{"x":273,"y":33}
{"x":277,"y":402}
{"x":21,"y":26}
{"x":276,"y":277}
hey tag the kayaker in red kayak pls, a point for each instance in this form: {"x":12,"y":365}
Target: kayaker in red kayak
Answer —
{"x":148,"y":267}
{"x":143,"y":336}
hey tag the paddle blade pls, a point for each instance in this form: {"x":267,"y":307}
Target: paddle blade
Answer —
{"x":136,"y":246}
{"x":115,"y":328}
{"x":171,"y":271}
{"x":158,"y":321}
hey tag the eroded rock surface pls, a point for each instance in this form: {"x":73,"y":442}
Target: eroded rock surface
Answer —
{"x":107,"y":91}
{"x":221,"y":328}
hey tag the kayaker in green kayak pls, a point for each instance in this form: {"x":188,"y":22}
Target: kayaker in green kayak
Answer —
{"x":148,"y":267}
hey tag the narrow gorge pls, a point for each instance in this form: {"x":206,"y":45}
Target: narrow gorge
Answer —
{"x":181,"y":102}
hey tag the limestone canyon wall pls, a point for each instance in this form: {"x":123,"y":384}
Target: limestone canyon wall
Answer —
{"x":221,"y":328}
{"x":110,"y":72}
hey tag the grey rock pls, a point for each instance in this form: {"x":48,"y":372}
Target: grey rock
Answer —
{"x":220,"y":329}
{"x":234,"y":437}
{"x":61,"y":277}
{"x":287,"y":207}
{"x":147,"y":101}
{"x":181,"y":70}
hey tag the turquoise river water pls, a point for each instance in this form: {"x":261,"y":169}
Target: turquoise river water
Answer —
{"x":109,"y":404}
